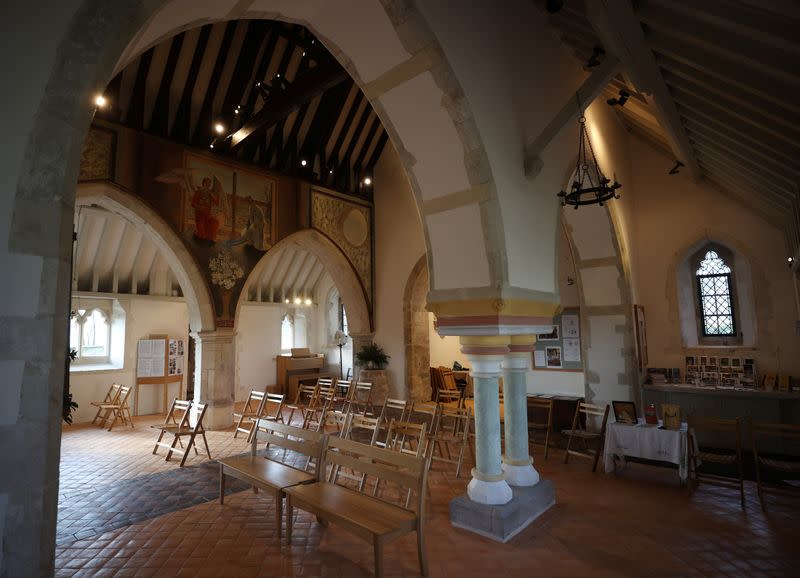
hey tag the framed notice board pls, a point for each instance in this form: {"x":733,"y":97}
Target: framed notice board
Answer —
{"x":159,"y":361}
{"x":560,"y":349}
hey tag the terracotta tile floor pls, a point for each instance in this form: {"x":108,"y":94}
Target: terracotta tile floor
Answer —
{"x":636,"y":523}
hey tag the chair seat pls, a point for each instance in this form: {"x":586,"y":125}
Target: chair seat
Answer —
{"x":354,"y":508}
{"x":716,"y":458}
{"x":275,"y":474}
{"x":177,"y":430}
{"x":776,"y":464}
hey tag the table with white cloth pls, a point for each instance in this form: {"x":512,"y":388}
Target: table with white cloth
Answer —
{"x":648,"y":442}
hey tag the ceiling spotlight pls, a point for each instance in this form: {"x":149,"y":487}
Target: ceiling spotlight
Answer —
{"x":258,"y":83}
{"x":286,"y":301}
{"x":676,"y":169}
{"x":790,"y":259}
{"x":596,"y":58}
{"x":308,"y":301}
{"x":219,"y":128}
{"x":278,"y":75}
{"x":624,"y":95}
{"x":303,"y":163}
{"x":367,"y":181}
{"x":211,"y":146}
{"x":297,"y":301}
{"x":100,"y":101}
{"x":304,"y":52}
{"x":330,"y":171}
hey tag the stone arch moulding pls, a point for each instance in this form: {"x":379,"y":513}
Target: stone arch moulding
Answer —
{"x":136,"y":211}
{"x":338,"y":267}
{"x":415,"y":332}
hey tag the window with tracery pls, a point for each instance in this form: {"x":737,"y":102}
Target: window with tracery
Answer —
{"x":714,"y":291}
{"x":90,"y":335}
{"x":287,"y":334}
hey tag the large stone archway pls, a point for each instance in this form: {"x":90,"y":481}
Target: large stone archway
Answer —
{"x":136,"y":211}
{"x":336,"y":264}
{"x":415,"y":332}
{"x":406,"y":69}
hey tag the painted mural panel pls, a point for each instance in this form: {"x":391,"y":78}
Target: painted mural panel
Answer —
{"x":349,"y":225}
{"x":227,"y":217}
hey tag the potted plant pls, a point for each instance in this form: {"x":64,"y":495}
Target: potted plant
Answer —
{"x":372,"y":356}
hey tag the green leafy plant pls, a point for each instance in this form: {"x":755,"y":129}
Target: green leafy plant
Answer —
{"x":372,"y":355}
{"x":68,"y":406}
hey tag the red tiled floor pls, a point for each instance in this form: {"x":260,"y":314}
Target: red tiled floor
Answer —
{"x":637,"y":523}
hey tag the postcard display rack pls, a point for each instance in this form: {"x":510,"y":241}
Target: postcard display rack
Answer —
{"x":560,"y":350}
{"x":159,"y":361}
{"x":720,"y":371}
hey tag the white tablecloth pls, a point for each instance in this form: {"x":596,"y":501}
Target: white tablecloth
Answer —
{"x":648,"y":442}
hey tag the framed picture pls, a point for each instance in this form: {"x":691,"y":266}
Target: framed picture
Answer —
{"x":553,"y":356}
{"x":641,"y":336}
{"x":554,"y":335}
{"x":625,"y":412}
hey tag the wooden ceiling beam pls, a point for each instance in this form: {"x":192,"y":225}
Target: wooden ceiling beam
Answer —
{"x":621,"y":33}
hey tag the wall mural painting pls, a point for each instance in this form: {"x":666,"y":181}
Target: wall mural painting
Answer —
{"x":349,"y":225}
{"x":227,"y":223}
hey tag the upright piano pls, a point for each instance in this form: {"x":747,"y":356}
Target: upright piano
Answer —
{"x":299,"y":367}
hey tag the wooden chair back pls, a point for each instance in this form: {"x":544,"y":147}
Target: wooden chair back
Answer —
{"x":178,"y":414}
{"x":251,"y":410}
{"x":409,"y":472}
{"x":337,"y":419}
{"x":362,"y":423}
{"x":120,"y":410}
{"x":344,"y":389}
{"x":391,"y":405}
{"x":454,"y":431}
{"x":254,"y":403}
{"x":361,"y":399}
{"x":450,"y":397}
{"x":324,"y":382}
{"x":541,"y":420}
{"x":426,"y":411}
{"x":786,"y":461}
{"x":103,"y":413}
{"x":305,"y":394}
{"x":407,"y":437}
{"x":714,"y":425}
{"x":273,"y":407}
{"x":448,"y":380}
{"x":581,"y":430}
{"x":303,"y":441}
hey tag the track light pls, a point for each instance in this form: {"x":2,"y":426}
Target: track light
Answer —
{"x":367,"y":181}
{"x":303,"y":162}
{"x":219,"y":128}
{"x":100,"y":101}
{"x":676,"y":169}
{"x":624,"y":95}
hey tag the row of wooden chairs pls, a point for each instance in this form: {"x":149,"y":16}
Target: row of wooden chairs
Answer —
{"x":732,"y":427}
{"x":113,"y":407}
{"x":178,"y":424}
{"x":259,"y":405}
{"x":312,"y":400}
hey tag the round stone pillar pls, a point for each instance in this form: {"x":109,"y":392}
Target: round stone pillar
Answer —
{"x":517,"y":461}
{"x":485,"y":354}
{"x":214,"y":376}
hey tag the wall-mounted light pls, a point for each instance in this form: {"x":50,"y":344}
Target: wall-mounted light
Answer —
{"x":100,"y":101}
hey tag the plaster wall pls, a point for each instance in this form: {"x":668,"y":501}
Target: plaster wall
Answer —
{"x":514,"y":96}
{"x":673,"y":214}
{"x":258,"y":341}
{"x":399,"y":243}
{"x":143,"y":316}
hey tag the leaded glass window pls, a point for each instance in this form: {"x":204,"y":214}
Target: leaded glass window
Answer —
{"x":714,"y":293}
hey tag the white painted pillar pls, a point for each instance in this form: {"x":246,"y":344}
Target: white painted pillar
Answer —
{"x":488,"y":485}
{"x":517,"y":461}
{"x":214,"y":383}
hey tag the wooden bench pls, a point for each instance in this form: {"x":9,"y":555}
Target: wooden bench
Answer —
{"x":269,"y":475}
{"x":370,"y":518}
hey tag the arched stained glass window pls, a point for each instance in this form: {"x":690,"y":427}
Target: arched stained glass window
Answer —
{"x":714,"y":292}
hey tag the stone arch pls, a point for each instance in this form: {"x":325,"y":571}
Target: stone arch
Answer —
{"x":136,"y":211}
{"x":415,"y":332}
{"x":339,"y":268}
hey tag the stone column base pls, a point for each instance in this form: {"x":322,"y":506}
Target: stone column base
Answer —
{"x":520,"y":475}
{"x":503,"y":522}
{"x":217,"y":416}
{"x":488,"y":492}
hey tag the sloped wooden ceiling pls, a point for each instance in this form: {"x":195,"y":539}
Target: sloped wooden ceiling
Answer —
{"x":732,"y":71}
{"x":280,"y":97}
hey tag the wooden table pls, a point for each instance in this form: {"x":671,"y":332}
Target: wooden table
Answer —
{"x":648,"y":442}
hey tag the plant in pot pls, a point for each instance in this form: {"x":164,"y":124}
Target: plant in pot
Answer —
{"x":372,"y":356}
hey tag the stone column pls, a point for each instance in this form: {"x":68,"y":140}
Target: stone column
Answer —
{"x":214,"y":381}
{"x":517,"y":461}
{"x":485,"y":354}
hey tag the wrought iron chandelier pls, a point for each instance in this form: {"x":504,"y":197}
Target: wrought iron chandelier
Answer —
{"x":591,"y":186}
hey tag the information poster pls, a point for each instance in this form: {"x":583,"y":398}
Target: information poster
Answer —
{"x":560,"y":349}
{"x":150,"y":358}
{"x":175,"y":362}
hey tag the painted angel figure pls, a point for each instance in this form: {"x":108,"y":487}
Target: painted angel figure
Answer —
{"x":208,"y":199}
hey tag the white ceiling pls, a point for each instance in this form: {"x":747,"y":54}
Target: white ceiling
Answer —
{"x":290,"y":272}
{"x":729,"y":75}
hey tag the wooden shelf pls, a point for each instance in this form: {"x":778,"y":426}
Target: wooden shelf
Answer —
{"x":721,"y":391}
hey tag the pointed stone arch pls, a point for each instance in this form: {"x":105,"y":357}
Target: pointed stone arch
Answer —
{"x":156,"y":229}
{"x":336,"y":264}
{"x":415,"y":332}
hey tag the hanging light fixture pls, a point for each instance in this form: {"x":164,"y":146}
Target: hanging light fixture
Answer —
{"x":591,"y":186}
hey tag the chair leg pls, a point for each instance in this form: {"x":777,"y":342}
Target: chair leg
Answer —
{"x":423,"y":561}
{"x":288,"y":520}
{"x":597,"y":453}
{"x":205,"y":443}
{"x":221,"y":484}
{"x":566,"y":453}
{"x":546,"y":443}
{"x":188,"y":447}
{"x":279,"y":513}
{"x":377,"y":546}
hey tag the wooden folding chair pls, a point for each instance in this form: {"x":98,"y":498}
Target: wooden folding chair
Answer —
{"x":364,"y":430}
{"x":788,"y":434}
{"x":271,"y":410}
{"x":184,"y":429}
{"x":391,"y":409}
{"x":406,"y":438}
{"x":306,"y":394}
{"x":542,"y":420}
{"x":120,"y":411}
{"x":251,"y":411}
{"x":321,"y":402}
{"x":580,"y":430}
{"x":450,"y":397}
{"x":361,"y":398}
{"x":343,"y":394}
{"x":728,"y":427}
{"x":102,"y":413}
{"x":453,"y":430}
